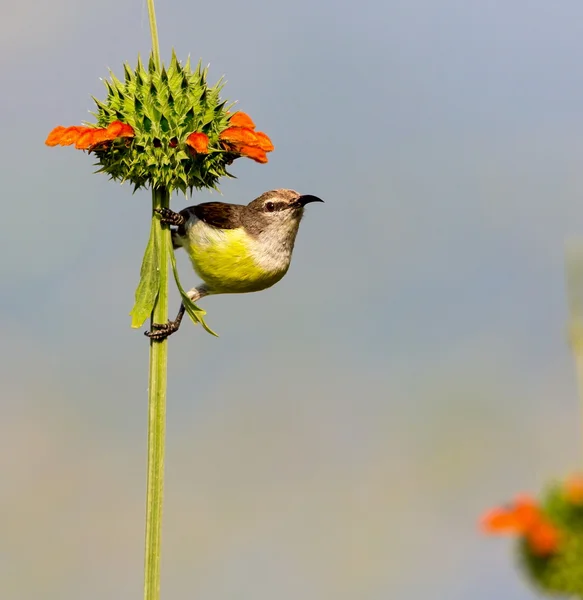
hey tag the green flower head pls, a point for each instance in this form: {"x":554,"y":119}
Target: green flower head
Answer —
{"x":165,"y":128}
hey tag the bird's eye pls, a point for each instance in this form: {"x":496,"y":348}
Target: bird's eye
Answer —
{"x":269,"y":206}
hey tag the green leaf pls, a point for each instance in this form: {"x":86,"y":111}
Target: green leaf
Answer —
{"x":194,"y":312}
{"x":149,"y":286}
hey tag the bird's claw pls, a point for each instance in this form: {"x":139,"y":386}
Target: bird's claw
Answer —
{"x":160,"y":331}
{"x":170,"y":217}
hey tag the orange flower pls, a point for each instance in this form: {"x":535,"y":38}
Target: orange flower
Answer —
{"x":239,"y":135}
{"x":118,"y":129}
{"x":543,"y":538}
{"x":264,"y":142}
{"x":241,"y":119}
{"x":241,"y":139}
{"x":573,"y":489}
{"x":257,"y":154}
{"x":524,"y":518}
{"x":55,"y":136}
{"x":85,"y":137}
{"x":516,"y":518}
{"x":65,"y":136}
{"x":198,"y":142}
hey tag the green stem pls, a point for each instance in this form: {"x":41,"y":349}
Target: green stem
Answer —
{"x":157,"y":386}
{"x":154,"y":33}
{"x":157,"y":414}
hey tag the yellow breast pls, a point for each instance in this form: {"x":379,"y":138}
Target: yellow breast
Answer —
{"x":225,"y":260}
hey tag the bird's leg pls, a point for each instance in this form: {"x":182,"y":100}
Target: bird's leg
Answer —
{"x":196,"y":293}
{"x":161,"y":331}
{"x":170,"y":217}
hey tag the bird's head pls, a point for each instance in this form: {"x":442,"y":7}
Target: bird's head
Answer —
{"x":279,"y":210}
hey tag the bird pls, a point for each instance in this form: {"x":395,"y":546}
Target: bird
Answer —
{"x":235,"y":248}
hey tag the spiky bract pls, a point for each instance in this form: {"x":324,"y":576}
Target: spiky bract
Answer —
{"x":164,"y":107}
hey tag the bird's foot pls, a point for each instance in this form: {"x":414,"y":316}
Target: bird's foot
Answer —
{"x":161,"y":331}
{"x":170,"y":217}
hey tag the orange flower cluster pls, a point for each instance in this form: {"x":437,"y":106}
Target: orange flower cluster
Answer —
{"x":242,"y":138}
{"x":199,"y":143}
{"x":86,"y":138}
{"x":524,"y":518}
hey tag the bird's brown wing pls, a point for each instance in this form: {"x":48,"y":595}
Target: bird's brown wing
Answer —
{"x":219,"y":214}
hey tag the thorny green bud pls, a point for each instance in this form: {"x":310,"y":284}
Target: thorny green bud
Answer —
{"x":166,"y":128}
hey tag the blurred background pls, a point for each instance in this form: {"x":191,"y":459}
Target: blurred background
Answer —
{"x":343,"y":435}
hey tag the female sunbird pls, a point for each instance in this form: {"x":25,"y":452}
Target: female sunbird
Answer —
{"x":235,"y":248}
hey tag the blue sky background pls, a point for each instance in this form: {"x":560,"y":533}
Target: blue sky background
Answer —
{"x":341,"y":438}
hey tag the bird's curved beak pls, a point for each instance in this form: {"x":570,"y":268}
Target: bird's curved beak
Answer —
{"x":303,"y":200}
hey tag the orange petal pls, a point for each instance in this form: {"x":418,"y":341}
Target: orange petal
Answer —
{"x":543,"y":538}
{"x":573,"y":489}
{"x":127,"y":131}
{"x":84,"y":137}
{"x":527,"y":512}
{"x":499,"y":520}
{"x":114,"y":129}
{"x":241,"y":119}
{"x":98,"y":136}
{"x":54,"y":137}
{"x":71,"y":135}
{"x":117,"y":129}
{"x":264,"y":142}
{"x":198,"y":142}
{"x":519,"y":517}
{"x":85,"y":140}
{"x":239,"y":135}
{"x":253,"y":152}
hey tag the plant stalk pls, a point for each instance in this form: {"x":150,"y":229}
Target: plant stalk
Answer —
{"x":157,"y":385}
{"x":157,"y":414}
{"x":154,"y":33}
